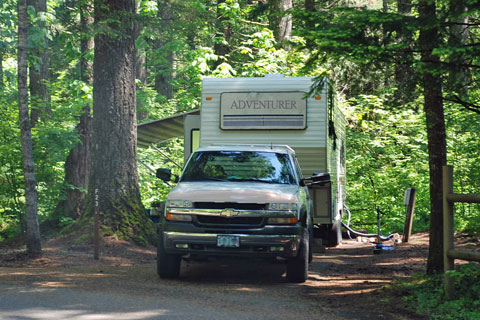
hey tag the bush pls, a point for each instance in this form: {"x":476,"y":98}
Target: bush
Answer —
{"x":427,"y":293}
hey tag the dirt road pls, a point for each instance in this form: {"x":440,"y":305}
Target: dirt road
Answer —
{"x":343,"y":283}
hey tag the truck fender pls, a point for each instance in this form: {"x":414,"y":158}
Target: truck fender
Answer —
{"x":303,"y":216}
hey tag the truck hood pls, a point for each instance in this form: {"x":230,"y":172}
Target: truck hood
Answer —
{"x":240,"y":192}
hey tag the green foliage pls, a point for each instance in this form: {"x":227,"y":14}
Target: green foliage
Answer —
{"x":427,"y":294}
{"x":386,"y":154}
{"x":153,"y":189}
{"x":52,"y":140}
{"x":357,"y":46}
{"x":9,"y":224}
{"x":463,"y":132}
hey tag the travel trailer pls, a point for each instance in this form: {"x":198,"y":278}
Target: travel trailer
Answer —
{"x":264,"y":175}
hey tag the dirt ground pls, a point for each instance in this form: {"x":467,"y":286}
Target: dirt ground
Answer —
{"x":349,"y":276}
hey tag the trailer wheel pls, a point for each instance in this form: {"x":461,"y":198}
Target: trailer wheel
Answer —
{"x":334,"y":234}
{"x":168,"y":265}
{"x":297,"y":268}
{"x":331,"y":234}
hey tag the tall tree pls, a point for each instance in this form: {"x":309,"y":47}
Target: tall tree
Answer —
{"x":404,"y":72}
{"x":141,"y":70}
{"x":163,"y":76}
{"x":40,"y":63}
{"x":224,"y":35}
{"x":33,"y":231}
{"x":280,"y":18}
{"x":1,"y":68}
{"x":114,"y":176}
{"x":336,"y":40}
{"x":458,"y":39}
{"x":77,"y":164}
{"x":435,"y":121}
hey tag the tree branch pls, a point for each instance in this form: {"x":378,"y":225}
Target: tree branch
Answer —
{"x":467,"y":105}
{"x":462,"y":24}
{"x":254,"y":23}
{"x":451,"y":64}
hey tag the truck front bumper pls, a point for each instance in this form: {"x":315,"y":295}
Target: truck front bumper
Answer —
{"x":250,"y":245}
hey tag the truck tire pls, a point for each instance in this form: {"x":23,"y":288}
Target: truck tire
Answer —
{"x":310,"y":244}
{"x":168,"y":265}
{"x":297,"y":268}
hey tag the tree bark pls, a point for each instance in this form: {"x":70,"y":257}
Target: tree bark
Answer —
{"x":458,"y":38}
{"x":77,"y":164}
{"x":280,"y":20}
{"x":33,"y":231}
{"x":435,"y":121}
{"x":141,"y":70}
{"x":39,"y":69}
{"x":140,"y":65}
{"x":163,"y":75}
{"x":114,"y":151}
{"x":310,"y":22}
{"x":404,"y":74}
{"x":222,"y":43}
{"x":1,"y":70}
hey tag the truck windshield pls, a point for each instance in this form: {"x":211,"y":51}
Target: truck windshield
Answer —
{"x":269,"y":167}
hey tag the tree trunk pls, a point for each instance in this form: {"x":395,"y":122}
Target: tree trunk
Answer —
{"x":39,"y":70}
{"x":222,"y":42}
{"x":163,"y":76}
{"x":280,"y":21}
{"x":437,"y":150}
{"x":1,"y":69}
{"x":310,"y":22}
{"x":77,"y":165}
{"x":114,"y":151}
{"x":33,"y":231}
{"x":141,"y":70}
{"x":404,"y":74}
{"x":459,"y":32}
{"x":141,"y":75}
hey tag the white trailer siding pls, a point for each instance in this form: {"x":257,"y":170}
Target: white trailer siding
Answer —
{"x":336,"y":159}
{"x":309,"y":144}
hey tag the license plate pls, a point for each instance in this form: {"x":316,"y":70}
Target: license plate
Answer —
{"x":227,"y":241}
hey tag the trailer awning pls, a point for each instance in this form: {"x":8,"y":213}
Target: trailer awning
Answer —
{"x":156,"y":131}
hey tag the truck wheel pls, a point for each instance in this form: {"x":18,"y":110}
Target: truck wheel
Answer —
{"x":168,"y":265}
{"x":297,"y":268}
{"x":310,"y":244}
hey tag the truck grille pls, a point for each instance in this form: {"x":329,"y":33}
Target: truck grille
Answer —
{"x":240,"y":222}
{"x":230,"y":205}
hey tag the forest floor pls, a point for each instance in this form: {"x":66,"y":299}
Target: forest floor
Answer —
{"x":349,"y":277}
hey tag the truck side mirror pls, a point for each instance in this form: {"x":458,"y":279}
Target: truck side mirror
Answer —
{"x":164,"y":174}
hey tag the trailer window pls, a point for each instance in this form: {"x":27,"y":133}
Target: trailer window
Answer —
{"x":267,"y":167}
{"x":195,"y":138}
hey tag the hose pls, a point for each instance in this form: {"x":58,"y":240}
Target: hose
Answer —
{"x":361,"y":234}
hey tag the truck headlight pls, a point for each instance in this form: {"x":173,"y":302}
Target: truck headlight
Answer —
{"x":282,"y":206}
{"x":290,"y":220}
{"x":179,"y":204}
{"x":178,"y":217}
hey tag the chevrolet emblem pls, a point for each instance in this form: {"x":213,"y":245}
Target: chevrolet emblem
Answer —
{"x":228,"y":213}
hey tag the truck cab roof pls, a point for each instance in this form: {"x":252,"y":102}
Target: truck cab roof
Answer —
{"x":249,"y":147}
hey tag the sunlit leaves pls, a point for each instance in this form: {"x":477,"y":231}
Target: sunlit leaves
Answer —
{"x":386,"y":154}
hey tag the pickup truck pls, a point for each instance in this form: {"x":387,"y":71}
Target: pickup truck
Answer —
{"x":237,"y":201}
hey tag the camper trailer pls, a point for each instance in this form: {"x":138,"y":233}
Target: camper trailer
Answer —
{"x":264,"y":174}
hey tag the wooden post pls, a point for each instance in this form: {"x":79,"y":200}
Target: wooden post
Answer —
{"x":96,"y":250}
{"x":449,"y":263}
{"x":410,"y":196}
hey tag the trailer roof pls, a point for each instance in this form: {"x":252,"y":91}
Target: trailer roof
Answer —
{"x":160,"y":130}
